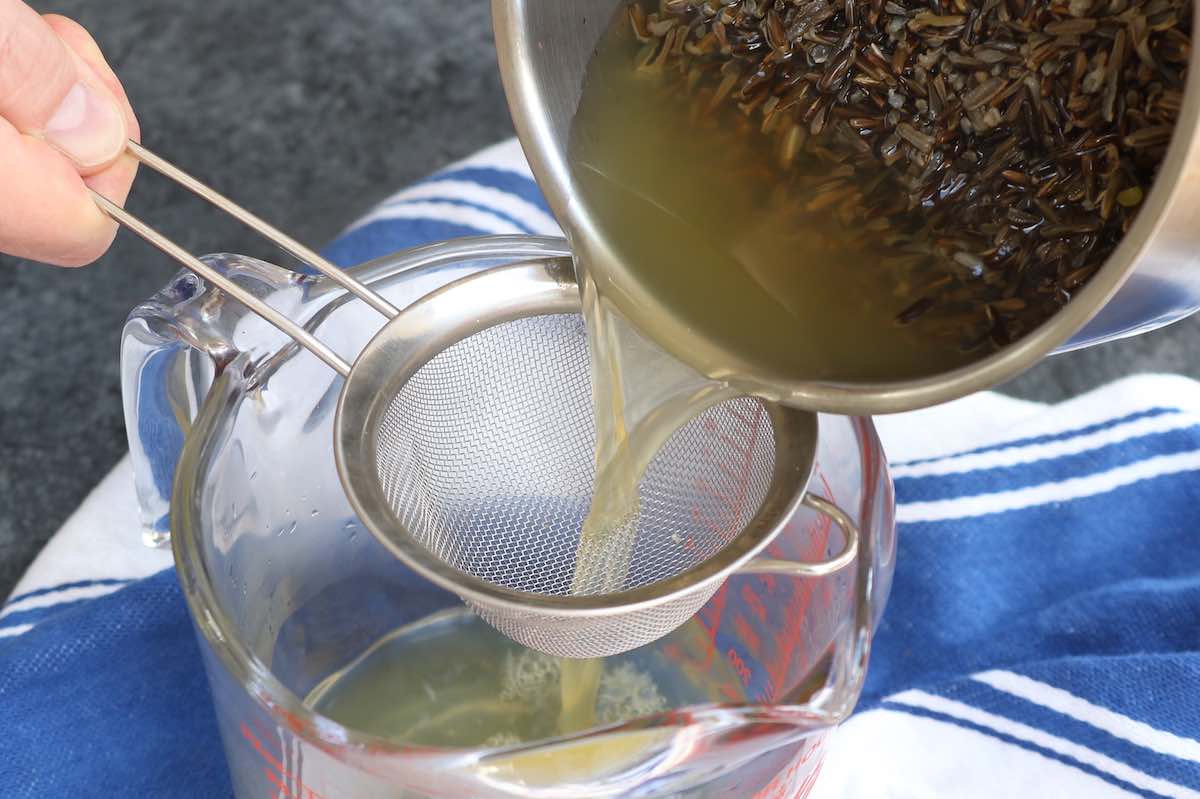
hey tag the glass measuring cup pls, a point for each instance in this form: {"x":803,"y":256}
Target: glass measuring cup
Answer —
{"x":286,"y":589}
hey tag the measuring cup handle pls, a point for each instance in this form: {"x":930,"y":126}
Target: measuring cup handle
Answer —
{"x":172,"y":348}
{"x":795,"y":568}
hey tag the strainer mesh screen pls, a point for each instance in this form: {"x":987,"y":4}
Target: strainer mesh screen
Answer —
{"x":486,"y":458}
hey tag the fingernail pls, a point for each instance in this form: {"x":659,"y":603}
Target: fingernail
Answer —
{"x":87,"y":127}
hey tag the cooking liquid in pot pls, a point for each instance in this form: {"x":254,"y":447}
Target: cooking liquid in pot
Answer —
{"x":699,"y":210}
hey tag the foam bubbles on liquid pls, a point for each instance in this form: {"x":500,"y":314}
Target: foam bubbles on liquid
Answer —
{"x":627,"y":692}
{"x":533,"y":679}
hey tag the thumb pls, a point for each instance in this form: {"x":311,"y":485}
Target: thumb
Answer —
{"x":48,"y":92}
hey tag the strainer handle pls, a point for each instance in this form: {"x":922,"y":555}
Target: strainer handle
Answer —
{"x":794,"y":568}
{"x":276,"y":236}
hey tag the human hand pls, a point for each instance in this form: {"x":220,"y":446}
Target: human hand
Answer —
{"x":64,"y":121}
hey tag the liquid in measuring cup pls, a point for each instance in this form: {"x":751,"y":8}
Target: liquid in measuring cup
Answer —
{"x":452,"y":681}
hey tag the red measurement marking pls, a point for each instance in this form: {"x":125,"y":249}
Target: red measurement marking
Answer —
{"x":278,"y":783}
{"x":806,"y":787}
{"x":745,"y":452}
{"x":764,"y":695}
{"x":262,"y":750}
{"x":735,"y":504}
{"x":730,"y":502}
{"x":812,"y":749}
{"x":741,"y":417}
{"x":827,"y":585}
{"x":709,"y":619}
{"x":294,"y":722}
{"x":779,"y":786}
{"x":710,"y":616}
{"x":739,"y":665}
{"x":754,"y":602}
{"x":279,"y":780}
{"x":779,"y":666}
{"x":826,"y":600}
{"x":784,"y":785}
{"x":746,"y":634}
{"x":727,"y":471}
{"x":715,"y":527}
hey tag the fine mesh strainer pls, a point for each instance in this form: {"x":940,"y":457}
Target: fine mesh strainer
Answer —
{"x":464,"y":440}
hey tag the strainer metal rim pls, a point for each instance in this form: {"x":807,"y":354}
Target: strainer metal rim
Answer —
{"x":466,"y":307}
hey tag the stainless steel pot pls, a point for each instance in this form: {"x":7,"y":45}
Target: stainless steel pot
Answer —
{"x":1151,"y":279}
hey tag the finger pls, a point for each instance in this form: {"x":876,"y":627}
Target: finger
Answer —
{"x":76,"y":37}
{"x":46,"y":213}
{"x":48,"y":91}
{"x":114,"y":182}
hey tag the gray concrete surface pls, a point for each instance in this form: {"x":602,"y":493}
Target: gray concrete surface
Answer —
{"x":307,"y":112}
